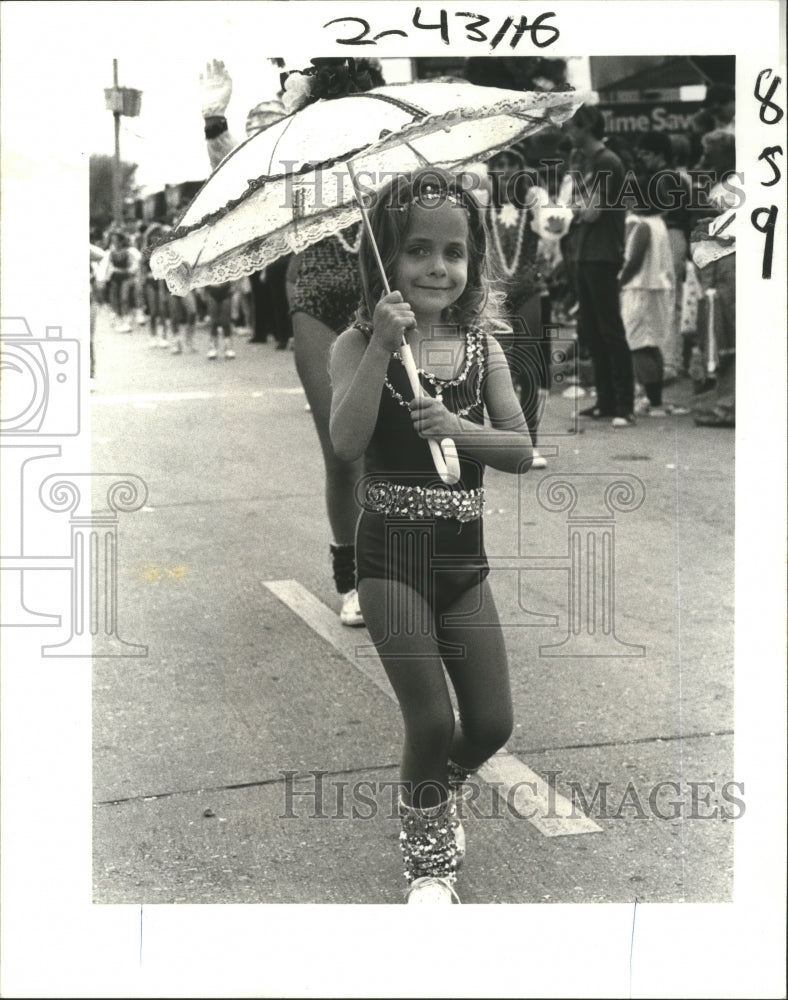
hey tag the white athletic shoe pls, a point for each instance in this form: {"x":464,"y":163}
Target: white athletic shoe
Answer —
{"x":431,"y":889}
{"x":350,"y":614}
{"x":211,"y":355}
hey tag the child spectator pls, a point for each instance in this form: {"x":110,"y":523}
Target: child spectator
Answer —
{"x":647,"y":300}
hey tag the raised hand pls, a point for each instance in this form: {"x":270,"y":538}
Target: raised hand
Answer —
{"x":216,"y":88}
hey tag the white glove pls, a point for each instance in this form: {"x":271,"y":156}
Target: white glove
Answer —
{"x":216,"y":88}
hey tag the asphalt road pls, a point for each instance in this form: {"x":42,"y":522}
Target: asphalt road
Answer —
{"x":209,"y":751}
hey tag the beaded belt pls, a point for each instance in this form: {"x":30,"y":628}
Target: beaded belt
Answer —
{"x":416,"y":502}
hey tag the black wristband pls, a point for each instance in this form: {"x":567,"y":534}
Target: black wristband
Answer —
{"x":215,"y":125}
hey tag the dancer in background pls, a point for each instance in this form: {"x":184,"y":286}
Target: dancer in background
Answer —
{"x":155,"y":293}
{"x":324,"y":291}
{"x":219,"y":298}
{"x":122,"y":265}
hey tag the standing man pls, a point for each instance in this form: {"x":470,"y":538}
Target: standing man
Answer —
{"x":598,"y":248}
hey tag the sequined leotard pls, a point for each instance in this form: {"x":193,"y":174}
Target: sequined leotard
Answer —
{"x":327,"y":284}
{"x":439,"y":557}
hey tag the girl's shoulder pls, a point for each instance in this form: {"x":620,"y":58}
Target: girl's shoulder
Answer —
{"x":486,"y":332}
{"x":358,"y":333}
{"x":362,"y":326}
{"x":352,"y":342}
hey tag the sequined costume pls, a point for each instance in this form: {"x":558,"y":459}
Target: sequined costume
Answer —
{"x":440,"y":555}
{"x":327,"y":284}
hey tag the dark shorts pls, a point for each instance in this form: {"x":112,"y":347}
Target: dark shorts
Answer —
{"x":219,"y":293}
{"x":441,"y":559}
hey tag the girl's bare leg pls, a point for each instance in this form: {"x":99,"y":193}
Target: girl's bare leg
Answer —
{"x":400,"y":624}
{"x":480,"y":677}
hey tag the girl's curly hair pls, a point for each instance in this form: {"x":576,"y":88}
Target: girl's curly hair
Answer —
{"x":389,"y":217}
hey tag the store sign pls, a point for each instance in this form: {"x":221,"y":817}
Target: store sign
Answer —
{"x":664,"y":116}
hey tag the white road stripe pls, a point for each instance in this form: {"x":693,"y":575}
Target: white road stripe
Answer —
{"x":353,"y":644}
{"x":525,"y":792}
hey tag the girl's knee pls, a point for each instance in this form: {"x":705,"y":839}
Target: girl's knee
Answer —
{"x":489,"y":735}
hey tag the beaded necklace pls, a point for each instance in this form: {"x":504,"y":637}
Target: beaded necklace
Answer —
{"x":505,"y":215}
{"x":473,"y":351}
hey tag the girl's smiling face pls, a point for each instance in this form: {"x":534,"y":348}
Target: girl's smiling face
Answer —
{"x":432,"y":267}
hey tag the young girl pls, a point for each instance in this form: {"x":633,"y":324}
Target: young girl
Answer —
{"x":647,"y":301}
{"x":421,"y":565}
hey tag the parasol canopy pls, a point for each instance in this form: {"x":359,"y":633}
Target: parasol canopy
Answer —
{"x":287,"y":186}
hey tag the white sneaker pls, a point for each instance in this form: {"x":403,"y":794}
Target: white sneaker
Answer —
{"x":539,"y":462}
{"x":431,"y":889}
{"x":212,"y":354}
{"x":177,"y":348}
{"x":350,"y":614}
{"x":122,"y":328}
{"x":229,"y":353}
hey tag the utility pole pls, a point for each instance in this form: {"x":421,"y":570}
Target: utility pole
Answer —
{"x":117,"y":202}
{"x":120,"y":101}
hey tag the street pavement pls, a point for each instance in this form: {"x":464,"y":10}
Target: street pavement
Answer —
{"x":209,"y":752}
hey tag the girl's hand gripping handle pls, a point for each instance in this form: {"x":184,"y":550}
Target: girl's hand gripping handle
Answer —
{"x":444,"y":454}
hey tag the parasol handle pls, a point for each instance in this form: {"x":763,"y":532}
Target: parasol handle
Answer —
{"x":444,"y":452}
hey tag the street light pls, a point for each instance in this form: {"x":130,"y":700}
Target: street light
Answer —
{"x":120,"y":101}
